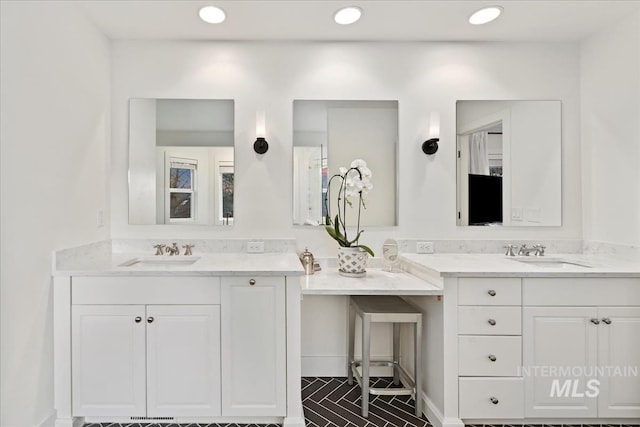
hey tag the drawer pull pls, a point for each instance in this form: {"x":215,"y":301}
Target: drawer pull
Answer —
{"x":492,"y":322}
{"x":492,"y":358}
{"x":492,"y":292}
{"x":150,"y":319}
{"x":595,"y":321}
{"x":138,"y":319}
{"x":494,"y":400}
{"x":252,"y":282}
{"x":606,"y":320}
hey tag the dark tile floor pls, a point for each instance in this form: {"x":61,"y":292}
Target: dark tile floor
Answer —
{"x":331,"y":402}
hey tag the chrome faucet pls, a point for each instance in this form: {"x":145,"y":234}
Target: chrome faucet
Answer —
{"x":173,"y":249}
{"x":187,"y":249}
{"x":538,"y":250}
{"x":524,"y":250}
{"x":510,"y":249}
{"x":159,"y":249}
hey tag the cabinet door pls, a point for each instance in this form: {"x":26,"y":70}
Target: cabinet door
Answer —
{"x":559,"y":342}
{"x":183,"y":360}
{"x":618,"y":356}
{"x":108,"y":360}
{"x":253,"y":346}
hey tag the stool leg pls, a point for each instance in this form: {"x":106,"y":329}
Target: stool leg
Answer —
{"x":418,"y":366}
{"x":351,"y":343}
{"x":366,"y":348}
{"x":396,"y":353}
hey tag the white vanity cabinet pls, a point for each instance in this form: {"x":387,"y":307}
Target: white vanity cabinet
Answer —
{"x":108,"y":356}
{"x":591,"y":328}
{"x":146,"y":361}
{"x":490,"y":348}
{"x":519,"y":337}
{"x":253,"y":346}
{"x":134,"y":353}
{"x":177,"y":348}
{"x":208,"y":340}
{"x":508,"y":326}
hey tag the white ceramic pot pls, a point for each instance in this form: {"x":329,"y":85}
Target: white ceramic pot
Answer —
{"x":352,"y":262}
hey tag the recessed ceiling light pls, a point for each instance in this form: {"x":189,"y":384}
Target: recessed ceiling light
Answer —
{"x":347,"y":15}
{"x":485,"y":15}
{"x":212,"y":14}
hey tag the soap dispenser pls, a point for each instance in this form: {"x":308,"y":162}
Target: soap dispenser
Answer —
{"x":306,"y":258}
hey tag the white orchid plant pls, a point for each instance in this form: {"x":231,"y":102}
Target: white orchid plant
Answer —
{"x":355,"y":183}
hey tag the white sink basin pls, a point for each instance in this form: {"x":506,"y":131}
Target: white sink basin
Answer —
{"x":160,"y":262}
{"x":551,"y":263}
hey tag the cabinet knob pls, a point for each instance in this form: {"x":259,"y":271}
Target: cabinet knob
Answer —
{"x":494,"y":400}
{"x":150,"y":319}
{"x":252,"y":282}
{"x":492,"y":292}
{"x":492,"y":322}
{"x":138,"y":319}
{"x":606,"y":320}
{"x":492,"y":358}
{"x":595,"y":321}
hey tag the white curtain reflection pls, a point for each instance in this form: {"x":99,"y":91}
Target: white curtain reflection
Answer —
{"x":478,"y":156}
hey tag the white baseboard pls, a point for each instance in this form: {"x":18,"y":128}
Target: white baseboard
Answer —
{"x":49,"y":421}
{"x":432,"y":412}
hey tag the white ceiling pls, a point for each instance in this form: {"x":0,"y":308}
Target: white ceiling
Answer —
{"x":395,"y":20}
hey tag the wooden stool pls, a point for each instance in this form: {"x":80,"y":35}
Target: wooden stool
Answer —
{"x":388,"y":309}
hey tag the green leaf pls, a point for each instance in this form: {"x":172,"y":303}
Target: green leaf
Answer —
{"x":337,"y":236}
{"x":356,"y":239}
{"x":367,"y":248}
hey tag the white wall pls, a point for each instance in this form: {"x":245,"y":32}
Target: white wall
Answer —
{"x":423,"y":77}
{"x":610,"y":91}
{"x":370,"y":134}
{"x":54,"y":133}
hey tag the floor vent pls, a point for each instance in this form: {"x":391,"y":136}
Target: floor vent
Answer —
{"x":152,"y":418}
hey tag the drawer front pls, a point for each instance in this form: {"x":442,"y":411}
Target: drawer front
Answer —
{"x":489,"y":291}
{"x":489,"y":320}
{"x":586,"y":291}
{"x":491,"y":398}
{"x":145,"y":290}
{"x":485,"y":356}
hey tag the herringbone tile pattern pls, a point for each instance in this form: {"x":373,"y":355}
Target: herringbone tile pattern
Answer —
{"x":331,"y":402}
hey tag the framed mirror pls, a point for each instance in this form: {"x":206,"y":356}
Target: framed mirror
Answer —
{"x":181,"y":157}
{"x":328,"y":135}
{"x":509,"y":163}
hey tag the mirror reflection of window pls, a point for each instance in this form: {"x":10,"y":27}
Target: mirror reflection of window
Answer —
{"x":180,"y":190}
{"x":226,"y":192}
{"x":199,"y":130}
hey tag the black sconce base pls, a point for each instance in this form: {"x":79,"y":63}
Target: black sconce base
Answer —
{"x":260,"y":146}
{"x":430,"y":146}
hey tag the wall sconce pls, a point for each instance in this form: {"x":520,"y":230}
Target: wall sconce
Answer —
{"x":430,"y":146}
{"x":260,"y":146}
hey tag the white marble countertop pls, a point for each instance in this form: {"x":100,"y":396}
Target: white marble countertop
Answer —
{"x":498,"y":265}
{"x":377,"y":281}
{"x":212,"y":264}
